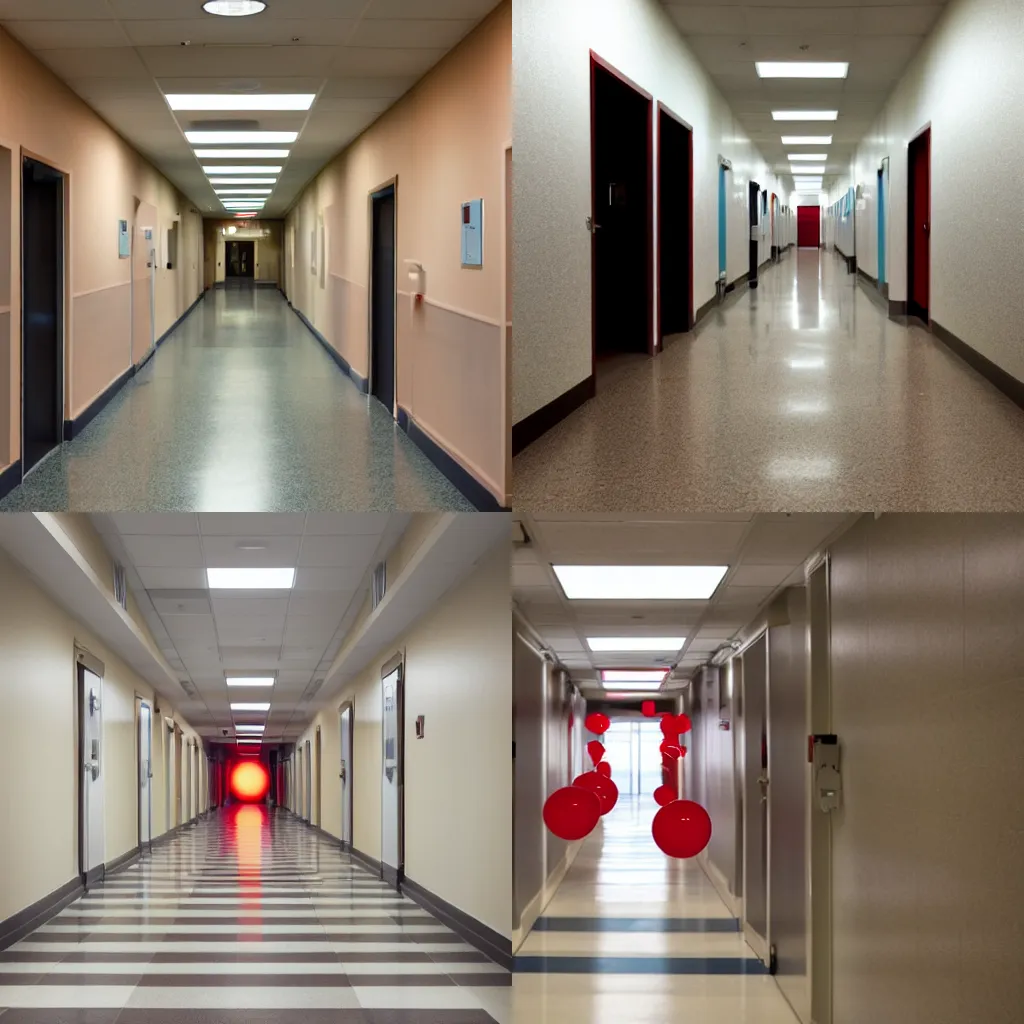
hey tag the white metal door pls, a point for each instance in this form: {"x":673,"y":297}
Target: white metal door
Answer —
{"x":169,"y":769}
{"x":91,"y":771}
{"x":345,"y":773}
{"x":145,"y":773}
{"x":309,"y":784}
{"x":391,"y":782}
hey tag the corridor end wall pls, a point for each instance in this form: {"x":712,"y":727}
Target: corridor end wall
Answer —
{"x":445,"y":141}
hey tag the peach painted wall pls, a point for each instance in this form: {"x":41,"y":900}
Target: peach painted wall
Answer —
{"x":445,"y":141}
{"x":44,"y":118}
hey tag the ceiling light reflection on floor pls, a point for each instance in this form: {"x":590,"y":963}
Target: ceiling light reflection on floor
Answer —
{"x":795,"y":468}
{"x":807,"y":407}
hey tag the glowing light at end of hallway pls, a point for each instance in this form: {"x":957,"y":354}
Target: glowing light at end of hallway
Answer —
{"x":807,"y":140}
{"x":804,"y":115}
{"x":232,"y":101}
{"x":248,"y":578}
{"x":639,"y":582}
{"x":801,"y":69}
{"x":635,"y":643}
{"x":234,"y":8}
{"x":249,"y":781}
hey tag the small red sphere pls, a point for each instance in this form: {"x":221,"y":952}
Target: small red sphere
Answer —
{"x":606,"y":790}
{"x":572,"y":812}
{"x":664,"y":795}
{"x":595,"y":748}
{"x":603,"y":768}
{"x":670,"y":750}
{"x":681,"y":829}
{"x":647,"y":707}
{"x":597,"y":722}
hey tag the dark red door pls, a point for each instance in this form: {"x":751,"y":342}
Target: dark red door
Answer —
{"x":808,"y":223}
{"x":919,"y":228}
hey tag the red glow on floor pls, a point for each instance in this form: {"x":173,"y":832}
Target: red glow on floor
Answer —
{"x":249,"y":782}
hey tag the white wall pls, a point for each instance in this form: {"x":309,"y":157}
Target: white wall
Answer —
{"x":551,"y":190}
{"x":967,"y":82}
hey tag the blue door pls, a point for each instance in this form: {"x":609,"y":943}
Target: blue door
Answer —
{"x":721,"y":219}
{"x":881,"y":226}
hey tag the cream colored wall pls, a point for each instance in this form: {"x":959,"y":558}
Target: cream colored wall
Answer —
{"x":39,"y":803}
{"x":42,"y":116}
{"x":458,"y":778}
{"x":445,"y":141}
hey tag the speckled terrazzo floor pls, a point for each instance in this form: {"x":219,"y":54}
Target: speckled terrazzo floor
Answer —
{"x":798,"y":396}
{"x":239,"y":410}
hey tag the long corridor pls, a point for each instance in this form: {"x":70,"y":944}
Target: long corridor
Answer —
{"x":801,"y":395}
{"x":240,"y":409}
{"x":247,"y":917}
{"x":631,"y":935}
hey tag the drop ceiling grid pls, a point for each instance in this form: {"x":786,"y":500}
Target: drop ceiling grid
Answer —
{"x":764,"y":553}
{"x":121,"y":56}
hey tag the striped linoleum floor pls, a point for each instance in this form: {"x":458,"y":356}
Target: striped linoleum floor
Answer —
{"x":248,"y":918}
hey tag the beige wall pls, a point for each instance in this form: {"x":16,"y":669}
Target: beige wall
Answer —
{"x":38,"y":802}
{"x":445,"y":142}
{"x":41,"y":115}
{"x":458,"y":796}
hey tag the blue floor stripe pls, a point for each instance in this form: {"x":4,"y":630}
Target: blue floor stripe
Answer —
{"x":637,"y":965}
{"x":636,"y":924}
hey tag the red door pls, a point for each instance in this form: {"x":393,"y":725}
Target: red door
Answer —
{"x":808,"y":223}
{"x":918,"y":251}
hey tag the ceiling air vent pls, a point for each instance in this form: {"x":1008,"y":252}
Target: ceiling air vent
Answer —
{"x":235,"y":125}
{"x":120,"y":586}
{"x":380,"y":583}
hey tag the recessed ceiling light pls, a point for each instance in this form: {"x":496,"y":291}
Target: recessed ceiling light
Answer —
{"x":807,"y":140}
{"x":801,"y":69}
{"x":239,"y":138}
{"x":242,"y":204}
{"x":249,"y":680}
{"x":239,"y":154}
{"x":244,"y":192}
{"x":267,"y":169}
{"x":633,"y":675}
{"x":639,"y":582}
{"x":242,"y":739}
{"x":810,"y":169}
{"x":250,"y":579}
{"x":635,"y":643}
{"x":232,"y":101}
{"x":244,"y":706}
{"x":808,"y":156}
{"x":243,"y":181}
{"x":250,"y":213}
{"x":805,"y":115}
{"x":234,"y":8}
{"x":250,"y":728}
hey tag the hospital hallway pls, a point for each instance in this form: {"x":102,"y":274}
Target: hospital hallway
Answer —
{"x":630,"y":934}
{"x":799,"y":395}
{"x":247,"y":916}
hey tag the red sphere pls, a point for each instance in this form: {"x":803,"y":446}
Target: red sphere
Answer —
{"x":606,"y":790}
{"x":670,"y":750}
{"x":681,"y":829}
{"x":597,"y":722}
{"x":684,"y":723}
{"x":647,"y":707}
{"x":668,"y":721}
{"x":682,"y":751}
{"x":603,"y":768}
{"x":664,"y":795}
{"x":572,"y":812}
{"x":249,"y":782}
{"x":595,"y":748}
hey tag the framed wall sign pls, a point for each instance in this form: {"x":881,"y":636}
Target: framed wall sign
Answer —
{"x":473,"y":233}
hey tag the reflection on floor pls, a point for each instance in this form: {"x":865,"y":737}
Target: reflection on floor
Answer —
{"x":631,"y":935}
{"x":798,"y":396}
{"x":248,"y":918}
{"x":240,"y":410}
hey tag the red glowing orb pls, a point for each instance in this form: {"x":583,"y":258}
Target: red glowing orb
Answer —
{"x":249,"y":782}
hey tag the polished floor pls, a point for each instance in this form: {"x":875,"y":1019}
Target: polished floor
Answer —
{"x":631,"y":935}
{"x":249,"y":917}
{"x":239,"y":410}
{"x":801,"y":395}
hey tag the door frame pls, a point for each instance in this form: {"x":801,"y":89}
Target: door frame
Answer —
{"x":598,"y":63}
{"x":62,"y":294}
{"x":395,"y":875}
{"x":308,"y":784}
{"x":85,"y":662}
{"x":140,"y":703}
{"x":754,"y":244}
{"x":672,"y":115}
{"x":379,"y":193}
{"x":318,"y":774}
{"x":346,"y":772}
{"x":925,"y":132}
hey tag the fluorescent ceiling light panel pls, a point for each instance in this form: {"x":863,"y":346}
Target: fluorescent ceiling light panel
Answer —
{"x":243,"y":181}
{"x":249,"y":728}
{"x":250,"y":213}
{"x":239,"y":138}
{"x":243,"y":191}
{"x":810,"y":169}
{"x":805,"y":115}
{"x":267,"y":169}
{"x":639,"y":582}
{"x":633,"y":675}
{"x":635,"y":643}
{"x":249,"y":706}
{"x":793,"y":157}
{"x":801,"y":69}
{"x":233,"y":101}
{"x":807,"y":140}
{"x":234,"y":8}
{"x":242,"y":204}
{"x":240,"y":154}
{"x":250,"y":579}
{"x":249,"y":680}
{"x":642,"y":687}
{"x":242,"y":739}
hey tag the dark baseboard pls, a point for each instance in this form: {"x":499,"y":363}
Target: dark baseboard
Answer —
{"x":94,"y":876}
{"x":994,"y":374}
{"x":18,"y":925}
{"x":764,"y":263}
{"x":539,"y":422}
{"x":73,"y":427}
{"x":166,"y":837}
{"x":897,"y":308}
{"x":702,"y":311}
{"x":10,"y":478}
{"x":371,"y":862}
{"x":124,"y":861}
{"x":471,"y":488}
{"x":739,"y":282}
{"x":360,"y":382}
{"x":392,"y":876}
{"x":862,"y":273}
{"x":475,"y":932}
